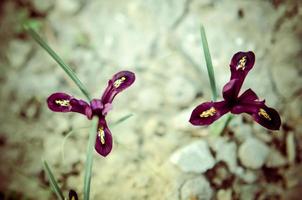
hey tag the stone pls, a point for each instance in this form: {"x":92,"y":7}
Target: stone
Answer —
{"x":248,"y":192}
{"x":275,"y":159}
{"x":17,"y":53}
{"x":195,"y":157}
{"x":197,"y":188}
{"x":225,"y":151}
{"x":180,"y":91}
{"x":290,"y":147}
{"x":243,"y":132}
{"x":248,"y":176}
{"x":150,"y":98}
{"x":253,"y":153}
{"x":43,"y":6}
{"x":224,"y":194}
{"x":228,"y":153}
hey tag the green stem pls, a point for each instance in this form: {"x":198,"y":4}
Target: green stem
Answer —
{"x":89,"y":158}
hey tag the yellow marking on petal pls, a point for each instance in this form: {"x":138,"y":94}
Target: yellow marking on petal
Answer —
{"x":101,"y":135}
{"x":63,"y":102}
{"x":208,"y":113}
{"x":264,"y":114}
{"x":242,"y":63}
{"x":118,"y":82}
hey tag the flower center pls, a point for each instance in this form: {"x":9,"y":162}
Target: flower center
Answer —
{"x":211,"y":112}
{"x":101,"y":135}
{"x":63,"y":102}
{"x":241,"y":63}
{"x":118,"y":82}
{"x":264,"y":114}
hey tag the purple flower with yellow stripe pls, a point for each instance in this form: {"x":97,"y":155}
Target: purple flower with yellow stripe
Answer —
{"x":248,"y":102}
{"x":62,"y":102}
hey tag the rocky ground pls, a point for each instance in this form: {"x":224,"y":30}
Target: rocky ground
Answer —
{"x":157,"y":154}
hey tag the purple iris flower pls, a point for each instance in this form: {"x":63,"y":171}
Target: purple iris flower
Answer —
{"x":61,"y":102}
{"x":248,"y":102}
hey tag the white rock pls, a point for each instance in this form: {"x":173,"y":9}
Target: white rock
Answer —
{"x":228,"y":153}
{"x":290,"y":148}
{"x":150,"y":98}
{"x":195,"y":157}
{"x":224,"y":194}
{"x":180,"y":91}
{"x":243,"y":132}
{"x":275,"y":159}
{"x":248,"y":176}
{"x":253,"y":153}
{"x":17,"y":53}
{"x":196,"y":188}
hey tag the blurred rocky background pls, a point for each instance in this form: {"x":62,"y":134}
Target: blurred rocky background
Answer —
{"x":157,"y":154}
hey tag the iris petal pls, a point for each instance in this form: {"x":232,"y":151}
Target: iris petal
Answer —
{"x":118,"y":83}
{"x":62,"y":102}
{"x":248,"y":96}
{"x":241,"y":64}
{"x":103,"y":144}
{"x":265,"y":116}
{"x":268,"y":117}
{"x":208,"y":112}
{"x":59,"y":102}
{"x":231,"y":89}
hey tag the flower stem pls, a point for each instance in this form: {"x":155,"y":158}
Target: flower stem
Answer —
{"x":53,"y":54}
{"x":89,"y":158}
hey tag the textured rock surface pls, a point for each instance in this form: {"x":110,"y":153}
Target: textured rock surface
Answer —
{"x":253,"y":153}
{"x":197,"y":188}
{"x":195,"y":157}
{"x":160,"y":41}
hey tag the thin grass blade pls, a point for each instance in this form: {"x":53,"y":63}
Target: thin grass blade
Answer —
{"x":53,"y":183}
{"x":89,"y":158}
{"x":122,"y":119}
{"x":209,"y":64}
{"x":53,"y":54}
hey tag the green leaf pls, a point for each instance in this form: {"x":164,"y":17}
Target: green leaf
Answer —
{"x":209,"y":64}
{"x":53,"y":54}
{"x":218,"y":127}
{"x":53,"y":183}
{"x":122,"y":119}
{"x":89,"y":158}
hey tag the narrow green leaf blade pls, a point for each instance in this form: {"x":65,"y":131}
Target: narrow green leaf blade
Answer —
{"x":209,"y":64}
{"x":89,"y":158}
{"x":122,"y":119}
{"x":53,"y":183}
{"x":53,"y":54}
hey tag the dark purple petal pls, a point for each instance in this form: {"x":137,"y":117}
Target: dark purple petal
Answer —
{"x":72,"y":195}
{"x":61,"y":102}
{"x":118,"y":83}
{"x":267,"y":117}
{"x":241,"y":64}
{"x":103,"y":143}
{"x":208,"y":112}
{"x":248,"y":96}
{"x":231,"y":89}
{"x":247,"y":107}
{"x":96,"y":106}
